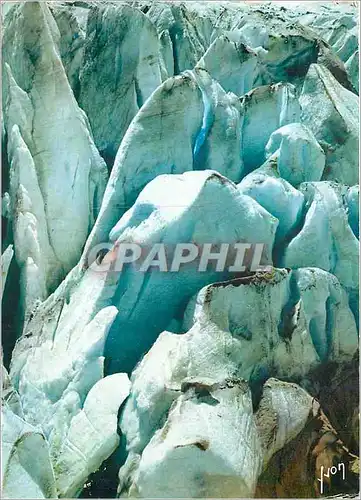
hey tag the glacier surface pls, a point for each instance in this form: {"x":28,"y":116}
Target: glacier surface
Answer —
{"x":166,"y":123}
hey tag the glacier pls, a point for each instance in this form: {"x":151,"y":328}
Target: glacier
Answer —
{"x":179,"y":123}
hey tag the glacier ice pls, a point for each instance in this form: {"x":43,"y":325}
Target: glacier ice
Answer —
{"x":164,"y":123}
{"x":238,"y":71}
{"x":325,"y":239}
{"x":266,"y":109}
{"x":39,"y":101}
{"x":39,"y":268}
{"x":340,"y":31}
{"x":67,"y":356}
{"x":195,"y":454}
{"x":57,"y":382}
{"x":9,"y":396}
{"x":92,"y":435}
{"x":27,"y":469}
{"x":71,"y":22}
{"x":298,"y":464}
{"x":353,"y":202}
{"x":6,"y":258}
{"x":144,"y":151}
{"x":121,"y":69}
{"x":223,"y":341}
{"x":282,"y":414}
{"x":334,"y":123}
{"x":186,"y":33}
{"x":278,"y":197}
{"x":300,"y":158}
{"x":173,"y":218}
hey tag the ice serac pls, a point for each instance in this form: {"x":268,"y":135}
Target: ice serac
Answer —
{"x":311,"y":323}
{"x":331,"y":112}
{"x":211,"y":129}
{"x":329,"y":318}
{"x":259,"y":149}
{"x":266,"y":109}
{"x":325,"y":239}
{"x":353,"y":203}
{"x":6,"y":259}
{"x":239,"y":69}
{"x":121,"y":69}
{"x":218,"y":143}
{"x":54,"y":366}
{"x":38,"y":99}
{"x":278,"y":197}
{"x":282,"y":414}
{"x":60,"y":355}
{"x":92,"y":435}
{"x":62,"y":368}
{"x":26,"y":467}
{"x":194,"y":454}
{"x":40,"y":270}
{"x":187,"y":30}
{"x":311,"y":445}
{"x":303,"y":321}
{"x":71,"y":22}
{"x":284,"y":51}
{"x":285,"y":48}
{"x":168,"y":211}
{"x":299,"y":156}
{"x":149,"y":149}
{"x":339,"y":29}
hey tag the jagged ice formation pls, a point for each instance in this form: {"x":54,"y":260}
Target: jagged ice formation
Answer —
{"x":179,"y":123}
